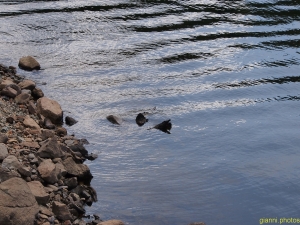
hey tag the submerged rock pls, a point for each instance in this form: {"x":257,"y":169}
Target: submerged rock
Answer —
{"x":114,"y":119}
{"x":165,"y":126}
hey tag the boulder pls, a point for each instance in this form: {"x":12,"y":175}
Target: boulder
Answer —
{"x":22,"y":98}
{"x":81,"y":171}
{"x":29,"y":63}
{"x":17,"y":203}
{"x":50,"y":149}
{"x":39,"y":192}
{"x":11,"y":162}
{"x":29,"y":122}
{"x":61,"y":211}
{"x":3,"y":152}
{"x":111,"y":222}
{"x":48,"y":171}
{"x":27,"y":84}
{"x":37,"y":93}
{"x":50,"y":109}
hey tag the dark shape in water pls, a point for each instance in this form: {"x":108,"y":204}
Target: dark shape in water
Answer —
{"x":141,"y":119}
{"x":114,"y":119}
{"x":70,"y":121}
{"x":165,"y":126}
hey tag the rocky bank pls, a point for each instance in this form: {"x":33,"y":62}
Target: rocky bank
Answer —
{"x":43,"y":178}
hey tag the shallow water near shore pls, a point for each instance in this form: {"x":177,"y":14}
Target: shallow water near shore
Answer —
{"x":225,"y":72}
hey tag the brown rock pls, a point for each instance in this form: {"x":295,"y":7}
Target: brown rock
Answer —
{"x":24,"y":171}
{"x":61,"y":211}
{"x":9,"y":92}
{"x":31,"y":107}
{"x":22,"y":98}
{"x":29,"y":122}
{"x":111,"y":222}
{"x":37,"y":93}
{"x":61,"y":131}
{"x":17,"y":203}
{"x":50,"y":109}
{"x":29,"y":63}
{"x":47,"y":134}
{"x":27,"y":84}
{"x":11,"y":162}
{"x":47,"y":171}
{"x":6,"y":174}
{"x":3,"y":138}
{"x":50,"y":149}
{"x":77,"y":170}
{"x":30,"y":144}
{"x":39,"y":192}
{"x":3,"y":152}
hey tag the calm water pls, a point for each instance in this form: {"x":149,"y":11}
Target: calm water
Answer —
{"x":225,"y":72}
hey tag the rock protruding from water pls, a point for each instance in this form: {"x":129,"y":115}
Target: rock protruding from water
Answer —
{"x":70,"y":121}
{"x":17,"y":203}
{"x":29,"y":63}
{"x":114,"y":119}
{"x":164,"y":126}
{"x":140,"y":119}
{"x":50,"y":109}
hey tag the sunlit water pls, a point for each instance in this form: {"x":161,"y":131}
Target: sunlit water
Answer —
{"x":225,"y":72}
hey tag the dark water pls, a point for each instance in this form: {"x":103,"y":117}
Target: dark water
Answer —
{"x":225,"y":72}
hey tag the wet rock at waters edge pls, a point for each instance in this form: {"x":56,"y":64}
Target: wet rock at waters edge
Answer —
{"x":91,"y":156}
{"x":50,"y":109}
{"x":27,"y":84}
{"x":61,"y":211}
{"x":61,"y":131}
{"x":37,"y":93}
{"x":81,"y":171}
{"x":11,"y":162}
{"x":114,"y":119}
{"x":22,"y":98}
{"x":3,"y":138}
{"x":3,"y":152}
{"x":38,"y":190}
{"x":6,"y":174}
{"x":50,"y":149}
{"x":111,"y":222}
{"x":17,"y":203}
{"x":165,"y":126}
{"x":48,"y":171}
{"x":70,"y":121}
{"x":140,"y":119}
{"x":29,"y":63}
{"x":48,"y":124}
{"x":79,"y":148}
{"x":71,"y":182}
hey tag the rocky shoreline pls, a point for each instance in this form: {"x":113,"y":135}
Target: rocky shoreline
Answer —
{"x":43,"y":178}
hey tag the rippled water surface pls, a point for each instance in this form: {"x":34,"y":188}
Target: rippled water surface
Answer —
{"x":225,"y":72}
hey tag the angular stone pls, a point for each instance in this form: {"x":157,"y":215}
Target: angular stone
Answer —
{"x":6,"y":174}
{"x":11,"y":162}
{"x":111,"y":222}
{"x":24,"y":171}
{"x":70,"y":121}
{"x":30,"y":144}
{"x":47,"y":134}
{"x":60,"y":170}
{"x":50,"y":109}
{"x":71,"y":182}
{"x":50,"y":149}
{"x":47,"y":171}
{"x":31,"y":107}
{"x":29,"y":63}
{"x":22,"y":98}
{"x":27,"y":84}
{"x":29,"y":122}
{"x":3,"y":151}
{"x":80,"y":171}
{"x":39,"y":192}
{"x":61,"y":211}
{"x":9,"y":92}
{"x":17,"y":203}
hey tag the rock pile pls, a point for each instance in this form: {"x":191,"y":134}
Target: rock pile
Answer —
{"x":43,"y":180}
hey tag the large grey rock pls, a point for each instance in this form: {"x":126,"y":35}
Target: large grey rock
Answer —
{"x":76,"y":169}
{"x":17,"y":203}
{"x":27,"y":84}
{"x":11,"y":162}
{"x":39,"y":192}
{"x":50,"y":109}
{"x":29,"y":63}
{"x":3,"y":151}
{"x":48,"y":171}
{"x":50,"y":149}
{"x":111,"y":222}
{"x":61,"y":211}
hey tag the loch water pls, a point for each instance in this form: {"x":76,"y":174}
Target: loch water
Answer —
{"x":226,"y":73}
